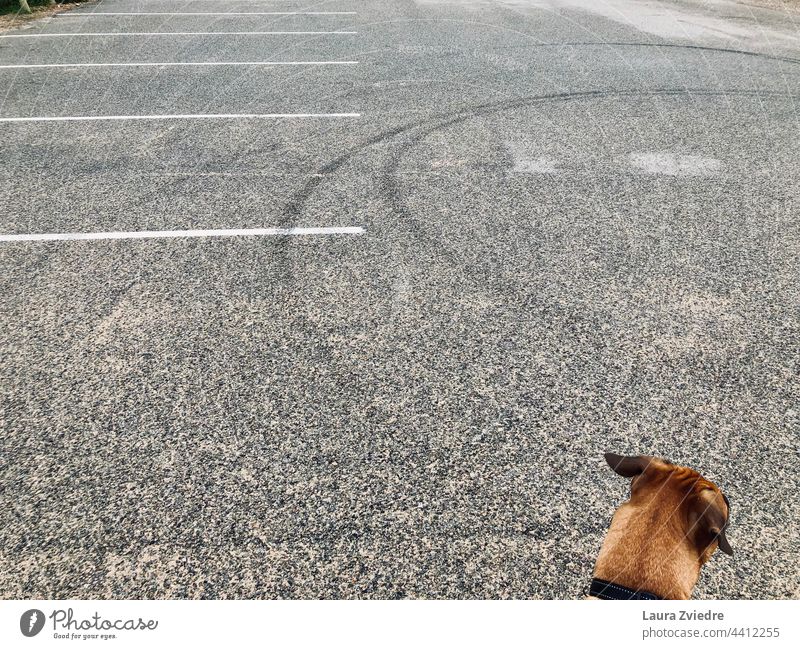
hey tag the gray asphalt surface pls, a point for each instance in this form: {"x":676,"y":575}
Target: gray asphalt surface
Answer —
{"x":581,"y":234}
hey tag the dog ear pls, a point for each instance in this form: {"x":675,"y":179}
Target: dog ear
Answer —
{"x":627,"y":465}
{"x":708,"y":519}
{"x":722,"y":540}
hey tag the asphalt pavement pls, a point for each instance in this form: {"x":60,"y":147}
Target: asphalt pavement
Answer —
{"x":548,"y":229}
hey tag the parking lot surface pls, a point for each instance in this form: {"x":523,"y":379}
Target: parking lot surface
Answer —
{"x":334,"y":299}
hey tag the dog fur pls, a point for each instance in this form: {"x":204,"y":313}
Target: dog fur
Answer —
{"x":660,"y":538}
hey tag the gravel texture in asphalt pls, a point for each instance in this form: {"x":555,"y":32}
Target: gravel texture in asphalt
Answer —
{"x":581,"y":235}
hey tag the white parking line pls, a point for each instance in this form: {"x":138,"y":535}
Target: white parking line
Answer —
{"x":208,"y":13}
{"x":179,"y":234}
{"x":107,"y":34}
{"x":171,"y":64}
{"x":120,"y":118}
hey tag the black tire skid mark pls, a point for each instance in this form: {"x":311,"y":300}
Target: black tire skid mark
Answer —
{"x":389,"y":189}
{"x":722,"y":50}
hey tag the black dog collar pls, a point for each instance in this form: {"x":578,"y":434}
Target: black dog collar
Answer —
{"x":603,"y":589}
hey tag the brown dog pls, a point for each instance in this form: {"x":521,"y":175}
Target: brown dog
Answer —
{"x":662,"y":536}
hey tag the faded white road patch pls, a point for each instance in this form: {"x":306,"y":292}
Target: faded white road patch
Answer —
{"x":543,"y":165}
{"x":526,"y":163}
{"x":673,"y":164}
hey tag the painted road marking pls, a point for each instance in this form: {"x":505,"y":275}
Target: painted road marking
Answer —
{"x":540,"y":165}
{"x":111,"y":34}
{"x":109,"y":118}
{"x":666,"y":163}
{"x":28,"y":66}
{"x":179,"y":234}
{"x":209,"y":13}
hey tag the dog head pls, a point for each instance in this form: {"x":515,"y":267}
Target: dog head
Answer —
{"x":701,"y":509}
